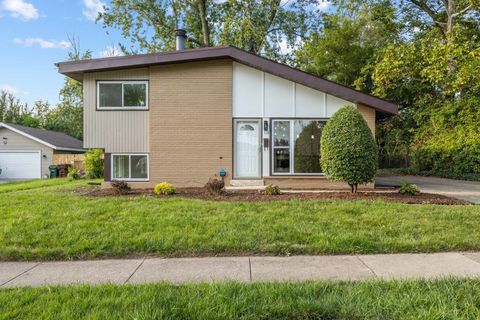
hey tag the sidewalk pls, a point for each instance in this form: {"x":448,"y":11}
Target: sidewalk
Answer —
{"x":256,"y":268}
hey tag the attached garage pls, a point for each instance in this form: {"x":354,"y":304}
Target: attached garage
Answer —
{"x":26,"y":153}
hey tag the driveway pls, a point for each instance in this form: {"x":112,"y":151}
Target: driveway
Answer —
{"x":460,"y":189}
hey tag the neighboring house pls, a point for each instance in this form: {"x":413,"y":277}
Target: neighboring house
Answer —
{"x":26,"y":153}
{"x":182,"y":116}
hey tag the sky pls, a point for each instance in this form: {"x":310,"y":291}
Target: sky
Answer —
{"x":34,"y":34}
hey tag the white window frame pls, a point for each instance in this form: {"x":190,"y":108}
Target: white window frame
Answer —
{"x":291,"y":147}
{"x":129,"y":167}
{"x":123,"y":82}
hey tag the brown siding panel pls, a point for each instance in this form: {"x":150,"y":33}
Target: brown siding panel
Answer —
{"x":107,"y":167}
{"x":369,"y":115}
{"x":190,"y":122}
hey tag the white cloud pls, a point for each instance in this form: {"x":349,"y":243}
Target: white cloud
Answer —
{"x":323,"y":5}
{"x":92,"y":8}
{"x":9,"y":88}
{"x":20,"y":9}
{"x":44,"y":44}
{"x":111,"y":51}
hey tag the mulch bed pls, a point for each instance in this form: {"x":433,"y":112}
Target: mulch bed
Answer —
{"x":250,"y":196}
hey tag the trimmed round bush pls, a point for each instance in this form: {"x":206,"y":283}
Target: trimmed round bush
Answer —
{"x":348,"y":149}
{"x":164,"y":188}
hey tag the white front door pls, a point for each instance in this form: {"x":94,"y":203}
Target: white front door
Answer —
{"x":247,"y":148}
{"x":20,"y":165}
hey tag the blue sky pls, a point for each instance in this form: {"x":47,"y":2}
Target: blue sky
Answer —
{"x":34,"y":35}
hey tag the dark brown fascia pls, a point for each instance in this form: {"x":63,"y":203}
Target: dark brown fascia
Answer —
{"x":75,"y":70}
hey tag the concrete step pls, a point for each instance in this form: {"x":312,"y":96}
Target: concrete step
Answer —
{"x":247,"y":183}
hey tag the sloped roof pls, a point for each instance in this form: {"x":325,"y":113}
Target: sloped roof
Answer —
{"x":53,"y":139}
{"x":76,"y":69}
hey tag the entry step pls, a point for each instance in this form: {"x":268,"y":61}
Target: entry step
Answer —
{"x":247,"y":183}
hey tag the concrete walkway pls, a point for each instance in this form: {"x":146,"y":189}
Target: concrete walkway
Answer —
{"x":460,"y":189}
{"x":245,"y":269}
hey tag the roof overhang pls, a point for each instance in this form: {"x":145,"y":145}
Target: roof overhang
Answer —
{"x":26,"y":135}
{"x":76,"y":69}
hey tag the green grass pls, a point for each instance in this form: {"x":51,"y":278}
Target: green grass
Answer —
{"x":440,"y":299}
{"x":51,"y":222}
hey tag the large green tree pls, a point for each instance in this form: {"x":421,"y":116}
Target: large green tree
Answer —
{"x":12,"y":110}
{"x":256,"y":26}
{"x":67,"y":116}
{"x":349,"y":42}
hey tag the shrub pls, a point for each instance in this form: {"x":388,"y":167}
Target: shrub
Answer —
{"x":348,"y":149}
{"x":451,"y":151}
{"x":120,"y":187}
{"x":164,"y":188}
{"x":272,"y":190}
{"x":408,"y":189}
{"x":215,"y":186}
{"x":73,"y":174}
{"x":94,"y":163}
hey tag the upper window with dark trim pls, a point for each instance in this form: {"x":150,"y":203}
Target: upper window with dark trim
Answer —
{"x":112,"y":95}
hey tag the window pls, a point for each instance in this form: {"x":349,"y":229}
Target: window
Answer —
{"x":122,"y":94}
{"x":296,"y":146}
{"x":130,"y":167}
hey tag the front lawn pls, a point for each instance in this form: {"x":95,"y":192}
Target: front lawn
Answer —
{"x":440,"y":299}
{"x":48,"y":220}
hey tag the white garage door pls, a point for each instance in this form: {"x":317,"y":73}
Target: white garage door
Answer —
{"x":20,"y":165}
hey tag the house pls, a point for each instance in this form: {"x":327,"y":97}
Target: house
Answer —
{"x":26,"y":153}
{"x":182,"y":116}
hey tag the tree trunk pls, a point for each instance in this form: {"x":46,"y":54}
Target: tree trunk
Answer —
{"x":202,"y":11}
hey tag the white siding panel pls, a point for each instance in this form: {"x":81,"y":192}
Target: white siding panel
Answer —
{"x":247,"y":91}
{"x":279,"y":97}
{"x":309,"y":102}
{"x":334,"y":104}
{"x":114,"y":131}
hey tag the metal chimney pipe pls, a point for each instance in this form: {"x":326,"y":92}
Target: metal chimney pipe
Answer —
{"x":180,"y":38}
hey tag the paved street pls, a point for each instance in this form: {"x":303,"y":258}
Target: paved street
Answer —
{"x":245,"y":269}
{"x":460,"y":189}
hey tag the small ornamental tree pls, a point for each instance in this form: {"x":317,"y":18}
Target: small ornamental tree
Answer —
{"x":348,"y":149}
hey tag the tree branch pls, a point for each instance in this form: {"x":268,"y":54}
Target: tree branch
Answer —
{"x":432,"y":14}
{"x":461,"y":12}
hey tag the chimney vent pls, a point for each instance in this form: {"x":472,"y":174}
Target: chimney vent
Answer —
{"x":180,"y":37}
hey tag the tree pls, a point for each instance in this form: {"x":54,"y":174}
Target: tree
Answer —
{"x":348,"y":149}
{"x":256,"y":26}
{"x":444,"y":15}
{"x":12,"y":110}
{"x":346,"y":48}
{"x":67,"y":116}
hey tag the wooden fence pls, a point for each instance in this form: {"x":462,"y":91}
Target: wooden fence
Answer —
{"x":76,"y":160}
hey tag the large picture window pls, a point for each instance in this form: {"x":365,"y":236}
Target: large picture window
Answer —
{"x":296,"y":146}
{"x":122,"y":95}
{"x":130,"y":167}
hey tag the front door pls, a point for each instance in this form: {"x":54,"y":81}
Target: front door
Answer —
{"x":247,"y":149}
